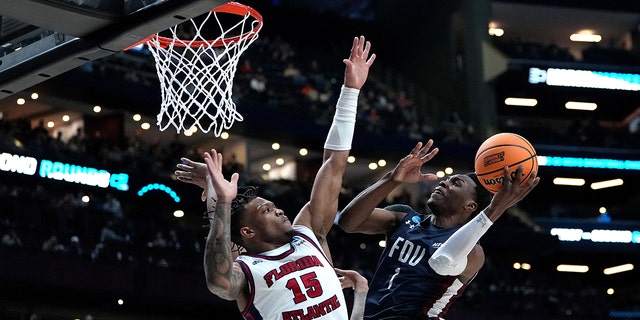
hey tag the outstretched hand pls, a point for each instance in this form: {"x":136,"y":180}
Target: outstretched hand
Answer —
{"x":192,"y":172}
{"x":512,"y":191}
{"x":408,"y":169}
{"x":352,"y":279}
{"x":225,"y":190}
{"x":357,"y":66}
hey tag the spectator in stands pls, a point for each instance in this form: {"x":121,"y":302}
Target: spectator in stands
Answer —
{"x":51,"y":244}
{"x":258,"y":85}
{"x":246,"y":68}
{"x":11,"y":239}
{"x":78,"y":142}
{"x":75,"y":247}
{"x":112,"y":206}
{"x":294,"y":74}
{"x":109,"y":233}
{"x":173,"y":241}
{"x":159,"y":241}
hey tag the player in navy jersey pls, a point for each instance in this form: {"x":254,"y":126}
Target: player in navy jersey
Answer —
{"x":285,"y":269}
{"x":428,"y":259}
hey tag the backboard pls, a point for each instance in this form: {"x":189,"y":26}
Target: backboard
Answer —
{"x":42,"y":39}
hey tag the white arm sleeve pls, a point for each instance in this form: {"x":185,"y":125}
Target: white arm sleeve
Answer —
{"x":450,"y":258}
{"x":341,"y":132}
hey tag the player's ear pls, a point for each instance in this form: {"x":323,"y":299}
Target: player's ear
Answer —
{"x":471,"y":206}
{"x":247,"y":232}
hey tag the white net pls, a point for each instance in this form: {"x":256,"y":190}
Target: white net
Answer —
{"x":196,"y":75}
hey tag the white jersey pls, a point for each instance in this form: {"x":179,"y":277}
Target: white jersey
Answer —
{"x":295,"y":281}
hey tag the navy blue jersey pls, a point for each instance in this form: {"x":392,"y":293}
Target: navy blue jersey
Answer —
{"x":404,"y":286}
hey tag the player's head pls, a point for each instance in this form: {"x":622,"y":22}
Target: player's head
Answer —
{"x":256,"y":220}
{"x":459,"y":194}
{"x":482,"y":195}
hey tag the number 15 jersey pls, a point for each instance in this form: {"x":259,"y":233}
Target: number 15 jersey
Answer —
{"x":295,"y":281}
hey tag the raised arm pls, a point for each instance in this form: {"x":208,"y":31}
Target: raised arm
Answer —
{"x":451,"y":257}
{"x":224,"y":277}
{"x":320,"y":212}
{"x":361,"y":214}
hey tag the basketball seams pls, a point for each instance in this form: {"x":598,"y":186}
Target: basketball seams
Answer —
{"x":530,"y":147}
{"x":511,"y":166}
{"x":504,"y":145}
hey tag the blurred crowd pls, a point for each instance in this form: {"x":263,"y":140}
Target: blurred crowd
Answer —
{"x":106,"y":227}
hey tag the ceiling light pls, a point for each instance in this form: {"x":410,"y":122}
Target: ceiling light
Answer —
{"x":496,"y":32}
{"x":34,"y":96}
{"x":266,"y":167}
{"x":145,"y":126}
{"x":573,"y":105}
{"x":21,"y":101}
{"x":279,"y":161}
{"x":440,"y":174}
{"x":524,"y":102}
{"x":137,"y":117}
{"x":178,"y":213}
{"x":275,"y":146}
{"x":568,"y":181}
{"x":351,"y":159}
{"x":303,"y":152}
{"x":382,"y":163}
{"x":448,"y":170}
{"x":585,"y":37}
{"x":66,"y":118}
{"x":224,"y":135}
{"x":606,"y":184}
{"x":618,"y":269}
{"x":50,"y":124}
{"x":373,"y":166}
{"x":572,"y":268}
{"x":97,"y":109}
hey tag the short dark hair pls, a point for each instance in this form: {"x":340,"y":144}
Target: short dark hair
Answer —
{"x":244,"y":196}
{"x":483,"y":196}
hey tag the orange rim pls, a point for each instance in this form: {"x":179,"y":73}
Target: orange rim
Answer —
{"x":230,"y":7}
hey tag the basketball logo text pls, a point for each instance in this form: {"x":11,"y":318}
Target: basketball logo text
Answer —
{"x":498,"y":180}
{"x":494,"y":158}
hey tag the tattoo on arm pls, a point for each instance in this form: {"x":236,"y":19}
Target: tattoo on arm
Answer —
{"x":222,"y":278}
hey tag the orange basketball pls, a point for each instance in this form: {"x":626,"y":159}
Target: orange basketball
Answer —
{"x":501,"y":150}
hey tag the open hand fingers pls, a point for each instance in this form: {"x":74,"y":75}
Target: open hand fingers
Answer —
{"x":213,"y":161}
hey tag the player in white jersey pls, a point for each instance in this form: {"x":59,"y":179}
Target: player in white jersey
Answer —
{"x":285,"y":270}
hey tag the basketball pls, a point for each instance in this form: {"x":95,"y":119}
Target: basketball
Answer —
{"x":501,"y":150}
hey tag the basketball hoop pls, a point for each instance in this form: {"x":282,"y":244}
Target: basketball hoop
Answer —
{"x":196,"y":69}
